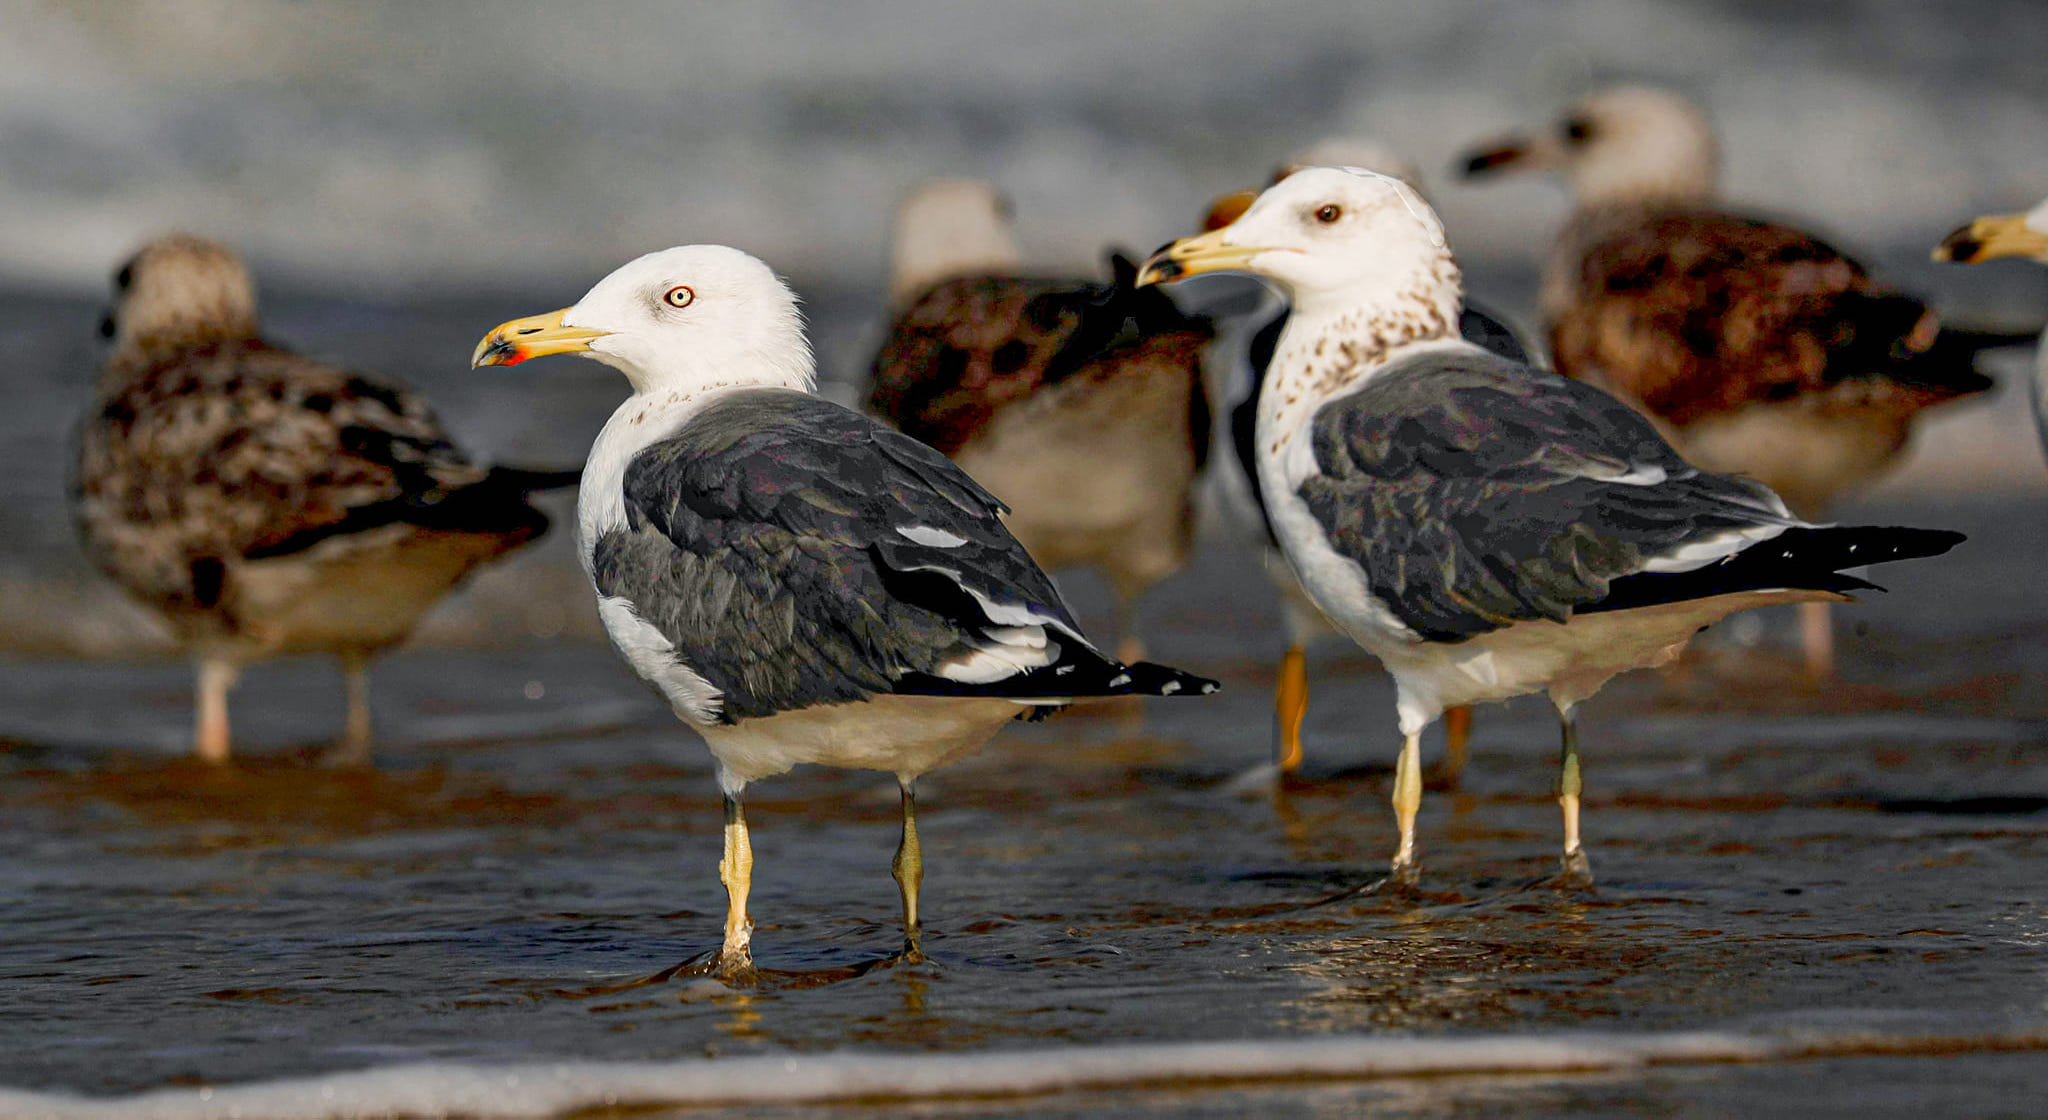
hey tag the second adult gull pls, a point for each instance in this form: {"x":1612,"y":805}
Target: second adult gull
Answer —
{"x":1484,"y":528}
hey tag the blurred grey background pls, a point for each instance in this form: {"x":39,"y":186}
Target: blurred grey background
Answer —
{"x":405,"y":175}
{"x":386,"y":144}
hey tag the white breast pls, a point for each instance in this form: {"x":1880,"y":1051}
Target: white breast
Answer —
{"x":642,"y":421}
{"x":1287,"y":459}
{"x":695,"y":700}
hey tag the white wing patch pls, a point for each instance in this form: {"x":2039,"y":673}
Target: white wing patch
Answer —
{"x":1698,"y":553}
{"x":1009,"y":651}
{"x":1006,"y":614}
{"x":1636,"y":475}
{"x":930,"y":537}
{"x":696,"y":700}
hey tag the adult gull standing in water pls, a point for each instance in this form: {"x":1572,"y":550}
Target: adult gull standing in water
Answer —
{"x":1484,"y":528}
{"x":801,"y":583}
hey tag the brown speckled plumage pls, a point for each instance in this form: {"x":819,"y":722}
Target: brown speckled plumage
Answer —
{"x":972,"y":346}
{"x":263,"y":501}
{"x":1694,"y":313}
{"x":1053,"y":393}
{"x":1758,"y":348}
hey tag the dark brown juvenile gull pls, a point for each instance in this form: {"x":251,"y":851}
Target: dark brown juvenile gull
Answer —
{"x":1757,"y":348}
{"x":801,"y":583}
{"x":1484,"y":528}
{"x":1077,"y":403}
{"x":1236,"y":477}
{"x":267,"y":503}
{"x":2009,"y":235}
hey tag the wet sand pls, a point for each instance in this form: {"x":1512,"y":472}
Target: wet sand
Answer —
{"x":540,"y":837}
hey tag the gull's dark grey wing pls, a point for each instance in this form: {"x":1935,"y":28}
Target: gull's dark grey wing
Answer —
{"x":1476,"y":492}
{"x":795,"y":552}
{"x":1477,"y":326}
{"x":1486,"y":329}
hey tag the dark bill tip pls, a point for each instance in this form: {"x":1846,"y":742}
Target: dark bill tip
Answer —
{"x":1492,"y":159}
{"x":1962,"y":246}
{"x":502,"y":352}
{"x":1160,"y":268}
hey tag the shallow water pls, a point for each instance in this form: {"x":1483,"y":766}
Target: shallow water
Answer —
{"x":540,"y":835}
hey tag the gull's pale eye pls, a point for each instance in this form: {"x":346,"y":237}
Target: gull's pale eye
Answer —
{"x":1328,"y":213}
{"x":679,"y":296}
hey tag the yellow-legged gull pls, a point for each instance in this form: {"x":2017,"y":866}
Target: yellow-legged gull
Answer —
{"x":1484,"y":528}
{"x":801,"y":583}
{"x":1235,"y":478}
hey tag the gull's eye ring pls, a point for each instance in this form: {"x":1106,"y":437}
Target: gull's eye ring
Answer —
{"x":1328,"y":213}
{"x":679,"y":296}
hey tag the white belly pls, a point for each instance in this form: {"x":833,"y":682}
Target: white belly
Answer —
{"x":1569,"y":660}
{"x":904,"y":735}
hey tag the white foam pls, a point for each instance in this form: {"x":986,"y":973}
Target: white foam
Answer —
{"x":534,"y":1090}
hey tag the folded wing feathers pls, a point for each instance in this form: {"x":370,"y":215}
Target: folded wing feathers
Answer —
{"x":867,"y":561}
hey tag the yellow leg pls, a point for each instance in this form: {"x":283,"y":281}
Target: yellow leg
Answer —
{"x":909,"y":871}
{"x":1576,"y":870}
{"x":1457,"y":733}
{"x":1817,"y":639}
{"x":1290,"y":705}
{"x":210,"y":733}
{"x":1407,"y":802}
{"x":736,"y":871}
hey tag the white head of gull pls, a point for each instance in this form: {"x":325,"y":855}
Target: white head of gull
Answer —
{"x":1630,"y":145}
{"x":1246,"y":385}
{"x":947,"y":228}
{"x":685,"y":326}
{"x":802,"y":584}
{"x":1484,"y":528}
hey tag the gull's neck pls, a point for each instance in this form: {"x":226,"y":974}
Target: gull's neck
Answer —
{"x":644,"y":419}
{"x":1675,"y":186}
{"x":1336,"y":340}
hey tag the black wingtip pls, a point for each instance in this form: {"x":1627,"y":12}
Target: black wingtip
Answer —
{"x":1811,"y":558}
{"x":1149,"y":678}
{"x":1905,"y":543}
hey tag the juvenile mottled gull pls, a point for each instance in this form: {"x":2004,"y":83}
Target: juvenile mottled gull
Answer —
{"x":801,"y":583}
{"x":1757,"y":348}
{"x":2009,"y":235}
{"x":1235,"y":479}
{"x":1484,"y":528}
{"x":1077,"y":403}
{"x":267,"y":503}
